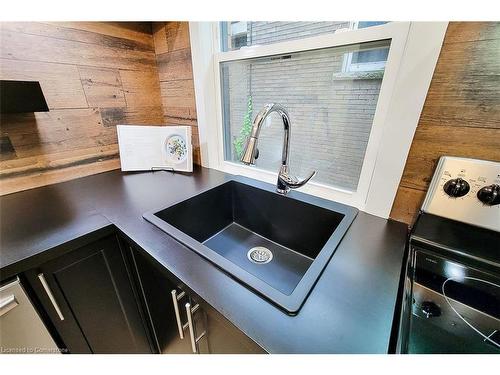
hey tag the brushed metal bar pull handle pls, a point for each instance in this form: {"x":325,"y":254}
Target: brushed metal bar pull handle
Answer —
{"x":193,"y":310}
{"x":41,"y":277}
{"x":189,"y":312}
{"x":7,"y":304}
{"x":175,"y":299}
{"x":201,"y":336}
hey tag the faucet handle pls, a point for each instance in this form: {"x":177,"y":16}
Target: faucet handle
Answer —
{"x":293,"y":182}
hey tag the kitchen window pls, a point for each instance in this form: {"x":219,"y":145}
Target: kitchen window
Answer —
{"x":332,"y":114}
{"x":239,"y":34}
{"x":338,"y":81}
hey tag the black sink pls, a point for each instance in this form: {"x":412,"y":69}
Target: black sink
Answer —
{"x":277,"y":245}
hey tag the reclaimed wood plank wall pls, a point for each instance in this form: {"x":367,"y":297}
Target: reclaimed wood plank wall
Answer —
{"x":173,"y":55}
{"x":94,"y":75}
{"x":461,"y":114}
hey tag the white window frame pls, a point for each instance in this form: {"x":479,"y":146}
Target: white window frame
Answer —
{"x":413,"y":54}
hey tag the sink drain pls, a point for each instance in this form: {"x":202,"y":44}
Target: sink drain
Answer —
{"x":259,"y":255}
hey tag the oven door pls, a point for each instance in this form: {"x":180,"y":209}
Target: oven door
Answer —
{"x":455,"y":309}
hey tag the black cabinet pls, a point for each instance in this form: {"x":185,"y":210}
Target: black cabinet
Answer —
{"x":218,"y":335}
{"x":224,"y":337}
{"x":90,"y":300}
{"x":156,"y":299}
{"x":110,"y":297}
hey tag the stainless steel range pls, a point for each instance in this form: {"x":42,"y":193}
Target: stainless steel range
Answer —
{"x":453,"y":295}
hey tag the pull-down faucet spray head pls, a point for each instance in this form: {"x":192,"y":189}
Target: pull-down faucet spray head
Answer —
{"x":251,"y":152}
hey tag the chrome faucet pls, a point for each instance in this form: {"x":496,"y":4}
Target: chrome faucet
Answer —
{"x":286,"y":181}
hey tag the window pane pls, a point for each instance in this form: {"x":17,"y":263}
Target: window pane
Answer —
{"x":374,"y":55}
{"x":331,"y":110}
{"x":363,"y":24}
{"x":237,"y":34}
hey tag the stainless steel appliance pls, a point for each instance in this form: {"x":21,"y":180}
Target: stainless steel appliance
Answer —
{"x":21,"y":329}
{"x":453,"y":297}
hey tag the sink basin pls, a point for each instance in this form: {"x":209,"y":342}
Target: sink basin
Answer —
{"x":277,"y":245}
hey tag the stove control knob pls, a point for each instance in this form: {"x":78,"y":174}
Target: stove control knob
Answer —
{"x":430,"y":309}
{"x":456,"y":187}
{"x":489,"y":195}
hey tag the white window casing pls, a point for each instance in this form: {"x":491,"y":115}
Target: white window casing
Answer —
{"x":413,"y":55}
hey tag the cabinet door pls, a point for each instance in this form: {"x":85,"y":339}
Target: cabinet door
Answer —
{"x":220,"y":335}
{"x":225,"y":338}
{"x":89,"y":297}
{"x":156,"y":292}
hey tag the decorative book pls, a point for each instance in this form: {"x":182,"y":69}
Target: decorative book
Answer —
{"x":155,"y":147}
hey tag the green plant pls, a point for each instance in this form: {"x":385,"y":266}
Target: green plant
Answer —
{"x":245,"y":130}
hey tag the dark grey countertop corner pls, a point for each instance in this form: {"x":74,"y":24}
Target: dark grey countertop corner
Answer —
{"x":350,"y":310}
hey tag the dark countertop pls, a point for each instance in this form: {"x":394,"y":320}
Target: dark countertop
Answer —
{"x":350,"y":310}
